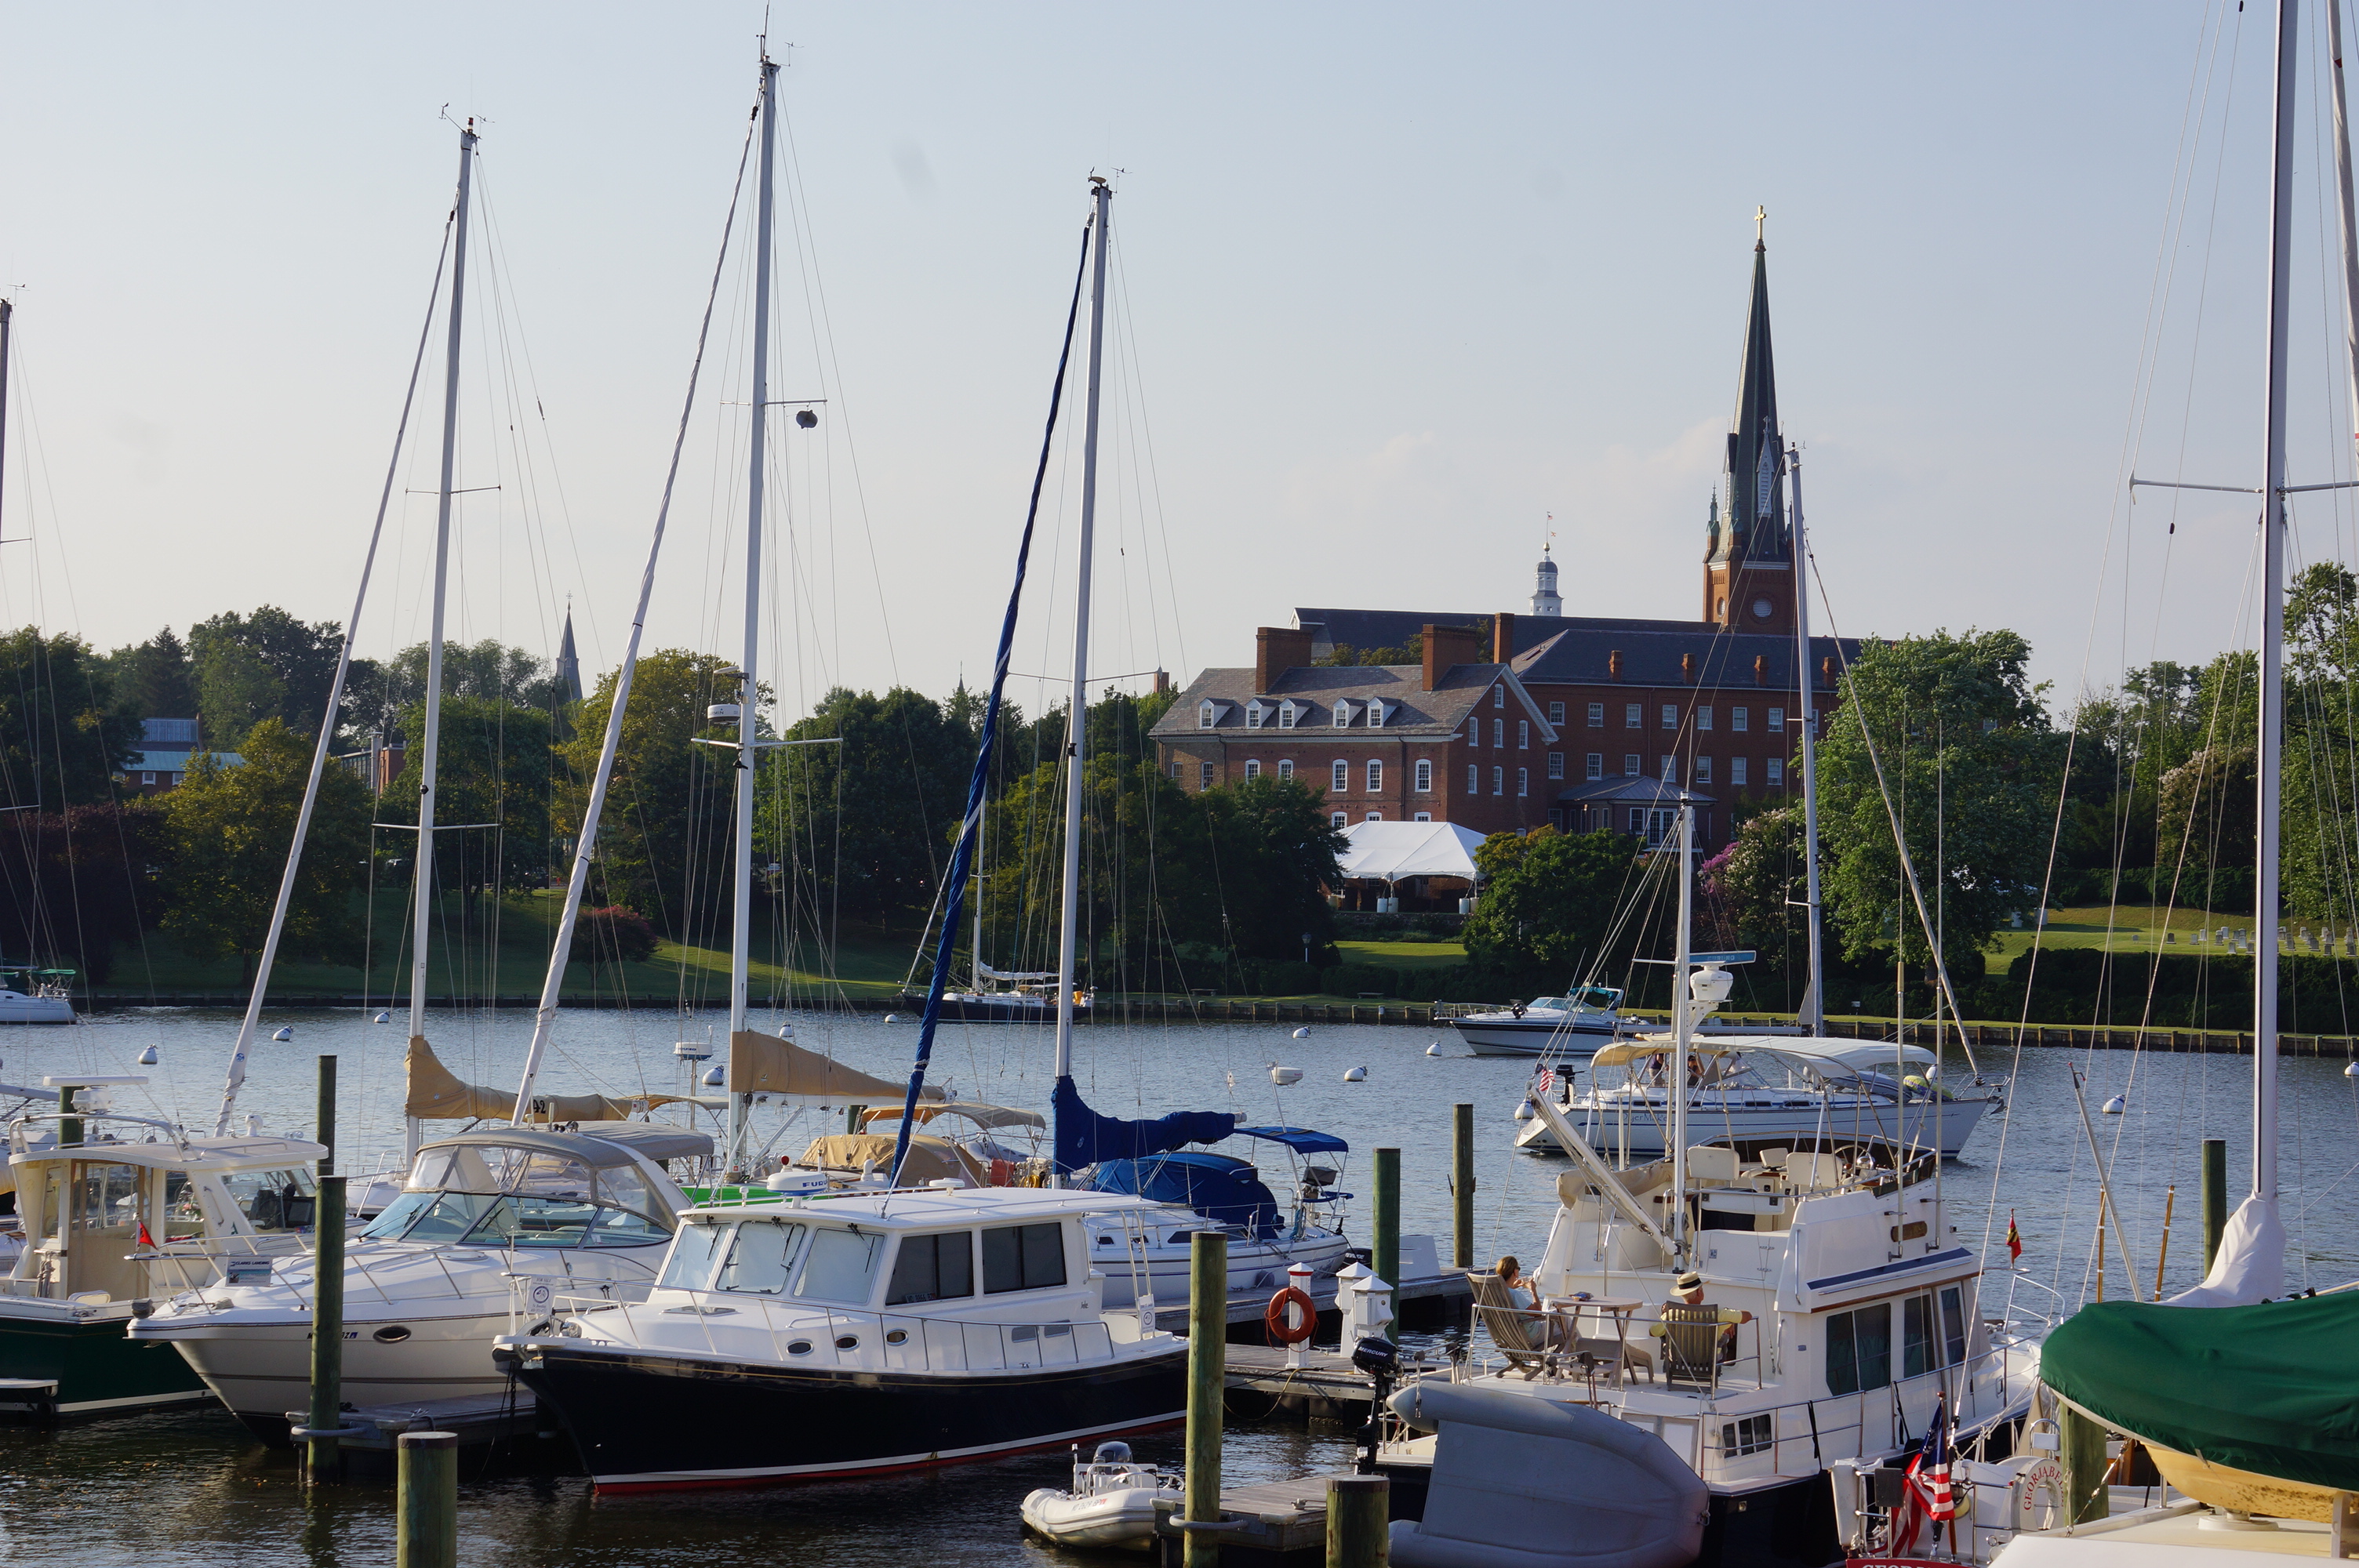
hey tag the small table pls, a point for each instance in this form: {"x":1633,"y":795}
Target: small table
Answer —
{"x":1616,"y":1312}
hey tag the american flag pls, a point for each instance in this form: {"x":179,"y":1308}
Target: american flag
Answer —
{"x":1545,"y":1082}
{"x":1929,"y":1472}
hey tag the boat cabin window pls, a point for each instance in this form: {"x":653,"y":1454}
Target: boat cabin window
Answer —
{"x":841,"y":1266}
{"x":1859,"y":1350}
{"x":491,"y":1195}
{"x":1023,"y":1258}
{"x":932,"y":1268}
{"x":533,"y":1222}
{"x":760,"y":1256}
{"x":690,"y":1262}
{"x":104,"y":1197}
{"x":273,"y":1200}
{"x":1954,"y":1323}
{"x":1918,"y":1351}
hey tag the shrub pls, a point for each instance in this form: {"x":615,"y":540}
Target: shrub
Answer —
{"x":614,"y":932}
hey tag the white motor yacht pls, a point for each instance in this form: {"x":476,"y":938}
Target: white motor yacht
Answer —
{"x":1759,"y":1089}
{"x":493,"y":1223}
{"x":1560,"y":1026}
{"x":34,"y":996}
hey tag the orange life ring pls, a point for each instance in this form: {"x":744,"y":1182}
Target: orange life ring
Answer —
{"x":1275,"y":1317}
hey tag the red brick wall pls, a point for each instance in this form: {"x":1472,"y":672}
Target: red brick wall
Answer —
{"x":1314,"y":757}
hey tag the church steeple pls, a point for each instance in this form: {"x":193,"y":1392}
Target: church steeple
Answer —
{"x":569,"y":664}
{"x":1749,"y":570}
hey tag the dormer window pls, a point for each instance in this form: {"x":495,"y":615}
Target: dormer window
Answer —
{"x":1376,"y":714}
{"x":1208,"y":714}
{"x":1344,"y":715}
{"x":1287,"y":712}
{"x":1253,"y":712}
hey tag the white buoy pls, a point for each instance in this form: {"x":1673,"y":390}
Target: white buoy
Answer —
{"x":1523,"y":1111}
{"x":1355,"y":1075}
{"x":1434,"y":1049}
{"x":385,"y":1018}
{"x":2351,"y":1071}
{"x":1303,"y":1032}
{"x":148,"y":1057}
{"x":1284,"y":1076}
{"x":892,"y":1018}
{"x":712,"y":1077}
{"x":286,"y":1034}
{"x":2116,"y":1106}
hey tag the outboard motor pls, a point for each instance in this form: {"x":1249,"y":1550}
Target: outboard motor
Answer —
{"x":1316,"y":1180}
{"x":1380,"y":1359}
{"x":1110,"y":1454}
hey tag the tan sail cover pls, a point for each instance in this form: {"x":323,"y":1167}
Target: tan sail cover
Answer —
{"x":931,"y":1159}
{"x":437,"y":1094}
{"x":765,"y":1065}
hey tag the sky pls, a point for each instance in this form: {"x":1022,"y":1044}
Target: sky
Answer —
{"x":1398,"y":294}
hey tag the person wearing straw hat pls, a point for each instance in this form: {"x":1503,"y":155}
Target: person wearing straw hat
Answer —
{"x":1688,"y":1291}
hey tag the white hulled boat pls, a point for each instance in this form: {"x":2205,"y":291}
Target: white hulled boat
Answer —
{"x":1562,"y":1027}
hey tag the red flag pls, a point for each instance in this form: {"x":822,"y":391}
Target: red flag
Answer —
{"x":1545,"y":1082}
{"x":145,"y":1240}
{"x":2014,"y":1239}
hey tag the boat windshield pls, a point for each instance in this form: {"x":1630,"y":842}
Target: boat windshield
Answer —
{"x":273,"y":1200}
{"x":491,"y":1195}
{"x":762,"y":1257}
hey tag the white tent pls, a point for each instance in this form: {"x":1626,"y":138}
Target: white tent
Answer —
{"x":1393,"y":852}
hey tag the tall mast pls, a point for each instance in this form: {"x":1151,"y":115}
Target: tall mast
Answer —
{"x":1682,"y":1031}
{"x":2272,"y":692}
{"x":8,"y":318}
{"x":2343,"y":207}
{"x":1813,"y":1019}
{"x":748,"y":751}
{"x":1078,"y":713}
{"x":422,"y":863}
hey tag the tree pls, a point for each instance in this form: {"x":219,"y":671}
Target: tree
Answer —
{"x":1754,"y":887}
{"x":664,"y":845}
{"x":264,"y":665}
{"x":493,"y":765}
{"x":230,"y":829}
{"x":63,"y":734}
{"x":78,"y":881}
{"x":1550,"y":900}
{"x":1972,"y":765}
{"x":154,"y":679}
{"x":1343,"y":654}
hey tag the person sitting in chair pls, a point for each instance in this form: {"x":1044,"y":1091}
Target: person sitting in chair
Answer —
{"x":1544,"y":1331}
{"x":1688,"y":1291}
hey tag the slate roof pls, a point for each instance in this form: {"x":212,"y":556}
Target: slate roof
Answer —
{"x":1378,"y":628}
{"x":1580,"y":653}
{"x":1435,"y":713}
{"x":1640,"y":791}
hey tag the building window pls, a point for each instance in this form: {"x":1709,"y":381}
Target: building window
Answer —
{"x":1597,"y":716}
{"x":1207,"y":715}
{"x":1523,"y":782}
{"x":1337,"y":819}
{"x":1594,"y":766}
{"x":1286,"y":711}
{"x":1740,"y":719}
{"x":1254,"y":711}
{"x":1703,"y":770}
{"x":1375,"y":714}
{"x":1499,"y":732}
{"x":1631,"y":717}
{"x":1498,"y":696}
{"x":1637,"y":820}
{"x":1341,"y":779}
{"x":1424,"y":816}
{"x":1736,"y":772}
{"x":1175,"y":769}
{"x":1253,"y":768}
{"x":1285,"y":768}
{"x":1630,"y":764}
{"x":1499,"y":781}
{"x":1424,"y":775}
{"x":1473,"y":731}
{"x":1556,"y":764}
{"x":1703,"y":718}
{"x":1990,"y":726}
{"x":147,"y":778}
{"x":179,"y":778}
{"x":1776,"y":720}
{"x":1376,"y":816}
{"x":1556,"y":714}
{"x":1203,"y":775}
{"x":1376,"y":778}
{"x":1671,"y":770}
{"x":1473,"y":779}
{"x":1670,"y":716}
{"x":1523,"y":735}
{"x":1342,"y":720}
{"x":1777,"y":773}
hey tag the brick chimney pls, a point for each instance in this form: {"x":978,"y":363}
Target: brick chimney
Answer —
{"x":1503,"y":636}
{"x":1447,"y":646}
{"x":1614,"y":665}
{"x":1687,"y":669}
{"x":1827,"y":672}
{"x":1162,"y":682}
{"x":1278,"y":649}
{"x":1760,"y":669}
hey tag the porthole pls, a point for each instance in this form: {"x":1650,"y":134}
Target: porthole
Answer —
{"x":1762,"y":609}
{"x":392,"y":1334}
{"x":847,"y":1342}
{"x":898,"y":1336}
{"x":799,"y":1348}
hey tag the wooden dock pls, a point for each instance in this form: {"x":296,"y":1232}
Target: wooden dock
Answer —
{"x":1420,"y":1300}
{"x":1276,"y":1524}
{"x":477,"y":1419}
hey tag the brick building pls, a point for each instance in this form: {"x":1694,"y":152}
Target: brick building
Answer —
{"x":1514,"y":720}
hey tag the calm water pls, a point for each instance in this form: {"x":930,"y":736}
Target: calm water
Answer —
{"x":188,"y":1488}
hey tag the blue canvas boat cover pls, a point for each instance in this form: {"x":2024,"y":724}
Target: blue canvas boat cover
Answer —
{"x":1221,"y":1188}
{"x":1084,"y":1137}
{"x":1301,"y":1140}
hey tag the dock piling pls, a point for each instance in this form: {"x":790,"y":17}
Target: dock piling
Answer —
{"x":1358,"y":1531}
{"x":324,"y":1456}
{"x":1208,"y":1336}
{"x":2215,"y":1197}
{"x":1461,"y":1186}
{"x":428,"y":1535}
{"x":1384,"y":1218}
{"x":2084,"y":1465}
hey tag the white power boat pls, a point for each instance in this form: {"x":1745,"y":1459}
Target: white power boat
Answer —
{"x":1560,"y":1026}
{"x":1111,"y":1504}
{"x":1756,"y":1090}
{"x":861,"y":1334}
{"x":492,"y":1224}
{"x":34,"y":996}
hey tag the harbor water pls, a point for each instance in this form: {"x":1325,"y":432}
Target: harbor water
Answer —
{"x":191,"y":1488}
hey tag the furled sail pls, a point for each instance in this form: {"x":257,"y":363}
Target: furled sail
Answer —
{"x":765,"y":1065}
{"x":437,"y":1094}
{"x":1085,"y":1137}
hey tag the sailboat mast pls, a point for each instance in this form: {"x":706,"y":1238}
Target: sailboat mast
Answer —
{"x":1068,"y":933}
{"x":2343,"y":207}
{"x":742,"y":925}
{"x":7,"y":321}
{"x":422,"y":862}
{"x":1814,"y":998}
{"x":1684,"y":1031}
{"x":2272,"y":692}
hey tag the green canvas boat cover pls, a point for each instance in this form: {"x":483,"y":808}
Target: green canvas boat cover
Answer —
{"x":2272,"y":1388}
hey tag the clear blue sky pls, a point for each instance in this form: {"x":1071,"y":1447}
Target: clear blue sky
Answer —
{"x":1397,"y":282}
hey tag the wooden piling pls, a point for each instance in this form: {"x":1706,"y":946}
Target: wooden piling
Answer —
{"x":1461,"y":1186}
{"x":851,"y":1114}
{"x":1208,"y":1339}
{"x":2084,"y":1465}
{"x":323,"y":1457}
{"x":1384,"y":1220}
{"x":428,"y":1533}
{"x":1358,"y":1528}
{"x":2215,"y":1197}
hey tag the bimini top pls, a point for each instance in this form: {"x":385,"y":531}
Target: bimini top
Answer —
{"x":242,"y":1153}
{"x":2264,"y":1387}
{"x":1301,"y":1140}
{"x":1845,"y":1058}
{"x":590,"y":1150}
{"x":655,"y":1140}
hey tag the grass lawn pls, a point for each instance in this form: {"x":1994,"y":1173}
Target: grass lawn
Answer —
{"x":2136,"y":928}
{"x":1403,"y":955}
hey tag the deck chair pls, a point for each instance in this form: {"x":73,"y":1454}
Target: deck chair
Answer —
{"x":1690,"y":1336}
{"x":1509,"y":1321}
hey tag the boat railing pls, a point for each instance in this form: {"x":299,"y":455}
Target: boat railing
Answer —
{"x":794,"y":1334}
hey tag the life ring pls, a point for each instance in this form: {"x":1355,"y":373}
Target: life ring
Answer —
{"x":1276,"y":1318}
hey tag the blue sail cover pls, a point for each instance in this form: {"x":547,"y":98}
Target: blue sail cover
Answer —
{"x":1222,"y":1188}
{"x":1084,"y":1137}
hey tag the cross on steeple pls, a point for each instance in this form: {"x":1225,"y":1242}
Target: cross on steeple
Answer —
{"x":1761,"y":228}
